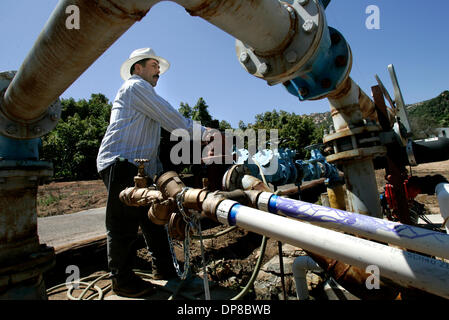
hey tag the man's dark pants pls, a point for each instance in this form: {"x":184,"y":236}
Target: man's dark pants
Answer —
{"x":122,"y":223}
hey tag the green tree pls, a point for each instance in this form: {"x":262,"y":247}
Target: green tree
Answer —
{"x":430,"y":114}
{"x":73,"y":145}
{"x":294,"y":131}
{"x":242,"y":125}
{"x":224,"y":125}
{"x":185,"y":110}
{"x":201,"y":113}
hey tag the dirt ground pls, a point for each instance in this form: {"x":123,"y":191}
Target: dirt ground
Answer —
{"x":58,"y":198}
{"x":230,"y":259}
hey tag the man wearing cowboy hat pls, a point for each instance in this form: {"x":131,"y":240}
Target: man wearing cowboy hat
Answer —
{"x":134,"y":132}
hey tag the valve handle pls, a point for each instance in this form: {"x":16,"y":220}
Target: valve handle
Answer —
{"x":141,"y":166}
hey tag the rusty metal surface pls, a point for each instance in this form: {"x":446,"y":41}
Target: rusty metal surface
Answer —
{"x":22,"y":259}
{"x":395,"y":169}
{"x":354,"y":279}
{"x":159,"y":212}
{"x":29,"y":129}
{"x":336,"y":196}
{"x":18,"y":210}
{"x":361,"y":188}
{"x":367,"y":106}
{"x":253,"y":183}
{"x":262,"y":24}
{"x":61,"y":55}
{"x":347,"y":132}
{"x":357,"y":154}
{"x":341,"y":91}
{"x":350,"y":106}
{"x":170,"y":184}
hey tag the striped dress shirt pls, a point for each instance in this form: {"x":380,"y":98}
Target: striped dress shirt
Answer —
{"x":134,"y":130}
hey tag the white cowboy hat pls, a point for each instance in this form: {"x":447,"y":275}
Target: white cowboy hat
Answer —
{"x":139,"y":54}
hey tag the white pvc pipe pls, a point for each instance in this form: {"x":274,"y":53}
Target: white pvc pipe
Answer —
{"x":418,"y":239}
{"x":442,"y":192}
{"x":406,"y":268}
{"x":300,"y":267}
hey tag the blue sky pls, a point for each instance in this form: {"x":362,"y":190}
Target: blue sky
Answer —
{"x":413,"y":35}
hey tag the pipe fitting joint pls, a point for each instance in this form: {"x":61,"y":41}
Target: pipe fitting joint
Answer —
{"x":287,"y":60}
{"x":14,"y":127}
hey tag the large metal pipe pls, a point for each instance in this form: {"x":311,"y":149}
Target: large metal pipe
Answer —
{"x":60,"y":55}
{"x":262,"y":24}
{"x":410,"y":237}
{"x":405,"y":268}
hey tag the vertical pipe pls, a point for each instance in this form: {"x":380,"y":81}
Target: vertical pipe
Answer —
{"x":300,"y":267}
{"x":361,"y":188}
{"x":349,"y":107}
{"x":406,"y":268}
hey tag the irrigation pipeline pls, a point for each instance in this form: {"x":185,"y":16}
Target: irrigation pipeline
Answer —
{"x":100,"y":292}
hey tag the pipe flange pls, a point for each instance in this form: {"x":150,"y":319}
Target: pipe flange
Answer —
{"x":21,"y":129}
{"x":373,"y":128}
{"x":357,"y":154}
{"x":301,"y":43}
{"x":355,"y":143}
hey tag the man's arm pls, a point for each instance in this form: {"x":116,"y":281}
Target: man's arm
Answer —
{"x":152,"y":105}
